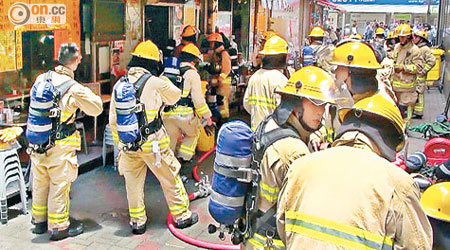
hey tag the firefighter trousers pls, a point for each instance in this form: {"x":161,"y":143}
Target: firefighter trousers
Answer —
{"x":420,"y":104}
{"x":225,"y":91}
{"x":53,"y":174}
{"x":133,"y":166}
{"x":190,"y":129}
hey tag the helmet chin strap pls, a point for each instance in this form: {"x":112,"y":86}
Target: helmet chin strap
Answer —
{"x":306,"y":127}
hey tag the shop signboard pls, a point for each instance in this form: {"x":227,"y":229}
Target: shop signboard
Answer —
{"x":402,"y":16}
{"x":388,"y":2}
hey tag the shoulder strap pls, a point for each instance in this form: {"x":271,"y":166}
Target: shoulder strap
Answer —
{"x":140,"y":84}
{"x":263,"y":139}
{"x":65,"y":86}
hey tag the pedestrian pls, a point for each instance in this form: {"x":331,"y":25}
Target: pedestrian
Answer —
{"x":144,"y":142}
{"x":351,"y":196}
{"x":54,"y":163}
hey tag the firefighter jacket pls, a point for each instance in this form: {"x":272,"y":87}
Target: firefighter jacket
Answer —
{"x":155,"y":94}
{"x":407,"y":56}
{"x":260,"y":99}
{"x":429,"y":61}
{"x":323,"y":55}
{"x":192,"y":90}
{"x":221,"y":61}
{"x":274,"y":167}
{"x":77,"y":97}
{"x":351,"y":198}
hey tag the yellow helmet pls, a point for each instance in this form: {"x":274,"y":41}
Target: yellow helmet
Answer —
{"x":356,"y":36}
{"x":215,"y":37}
{"x":404,"y":30}
{"x":275,"y":46}
{"x":379,"y":31}
{"x":317,"y":31}
{"x":193,"y":50}
{"x":391,"y":35}
{"x":436,"y":201}
{"x":189,"y":30}
{"x":313,"y":83}
{"x":421,"y":33}
{"x":266,"y":35}
{"x":377,"y":112}
{"x":148,"y":50}
{"x":380,"y":105}
{"x":356,"y":54}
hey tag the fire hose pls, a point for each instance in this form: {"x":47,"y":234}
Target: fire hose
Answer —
{"x":203,"y":191}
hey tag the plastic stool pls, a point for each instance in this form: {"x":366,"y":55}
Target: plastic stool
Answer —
{"x":108,"y":141}
{"x":10,"y":171}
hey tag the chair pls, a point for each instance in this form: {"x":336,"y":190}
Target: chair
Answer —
{"x":80,"y":126}
{"x":10,"y":171}
{"x":108,"y":141}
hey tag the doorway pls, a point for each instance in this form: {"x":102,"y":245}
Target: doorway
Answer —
{"x":157,"y":24}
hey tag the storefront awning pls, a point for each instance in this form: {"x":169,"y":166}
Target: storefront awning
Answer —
{"x":373,"y":8}
{"x":331,"y":5}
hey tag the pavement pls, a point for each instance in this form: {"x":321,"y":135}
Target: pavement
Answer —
{"x":98,"y":199}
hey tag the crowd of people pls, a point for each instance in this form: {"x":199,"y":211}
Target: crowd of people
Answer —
{"x":326,"y":133}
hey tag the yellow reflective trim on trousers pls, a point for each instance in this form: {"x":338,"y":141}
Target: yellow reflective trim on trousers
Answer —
{"x":202,"y":109}
{"x":403,"y":85}
{"x":179,"y":209}
{"x":268,"y":192}
{"x":38,"y":210}
{"x":64,"y":216}
{"x":421,"y":78}
{"x":262,"y":101}
{"x":137,"y":212}
{"x":335,"y":233}
{"x":427,"y":67}
{"x":259,"y":241}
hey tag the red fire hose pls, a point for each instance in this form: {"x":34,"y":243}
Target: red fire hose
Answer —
{"x":186,"y":238}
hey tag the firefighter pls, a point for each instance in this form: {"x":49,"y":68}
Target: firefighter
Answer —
{"x":420,"y":38}
{"x":407,"y":63}
{"x":356,"y":65}
{"x":221,"y":65}
{"x":310,"y":51}
{"x":283,"y":137}
{"x":190,"y":112}
{"x":378,"y":43}
{"x":189,"y":35}
{"x":155,"y":153}
{"x":260,"y":99}
{"x":384,"y":74}
{"x":351,"y":196}
{"x":355,"y":36}
{"x":55,"y":169}
{"x":257,"y":56}
{"x":436,"y":203}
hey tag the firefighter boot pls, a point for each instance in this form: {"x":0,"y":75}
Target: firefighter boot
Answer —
{"x":135,"y":229}
{"x":75,"y":228}
{"x":40,"y":227}
{"x":187,"y":222}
